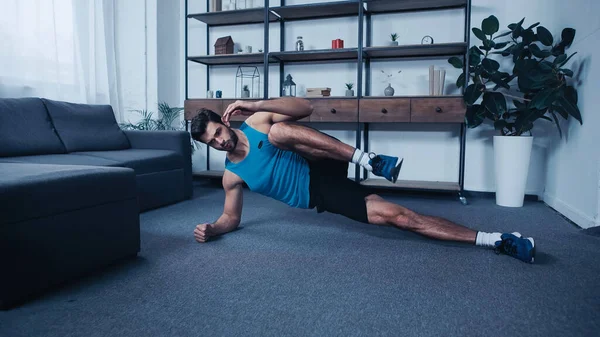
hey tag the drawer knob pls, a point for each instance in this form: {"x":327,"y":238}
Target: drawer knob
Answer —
{"x":438,"y":109}
{"x":333,"y":111}
{"x":384,"y":110}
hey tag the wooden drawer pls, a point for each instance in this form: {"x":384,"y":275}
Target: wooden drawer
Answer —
{"x":334,"y":110}
{"x":381,"y":110}
{"x":437,"y":110}
{"x":192,"y":106}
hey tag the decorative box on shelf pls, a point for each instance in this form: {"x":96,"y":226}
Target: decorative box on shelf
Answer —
{"x":318,"y":92}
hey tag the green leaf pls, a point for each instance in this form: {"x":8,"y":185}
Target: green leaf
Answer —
{"x":460,"y":82}
{"x":528,"y":36}
{"x":502,"y":35}
{"x":543,"y":99}
{"x":500,"y":124}
{"x":490,"y":25}
{"x":567,"y":72}
{"x":524,"y":122}
{"x":472,"y":93}
{"x":475,"y":50}
{"x":562,"y":63}
{"x":567,"y":35}
{"x":498,"y":79}
{"x":537,"y":52}
{"x":556,"y":122}
{"x":545,"y":36}
{"x":546,"y":66}
{"x":573,"y":110}
{"x":456,"y":62}
{"x":475,"y":58}
{"x":475,"y":115}
{"x":480,"y":34}
{"x":501,"y":45}
{"x":571,"y":94}
{"x":562,"y":111}
{"x":517,"y":29}
{"x":519,"y":105}
{"x":534,"y":25}
{"x":523,"y":67}
{"x":490,"y":65}
{"x":495,"y":102}
{"x":561,"y":58}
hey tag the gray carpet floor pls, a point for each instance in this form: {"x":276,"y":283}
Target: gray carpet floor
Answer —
{"x":290,"y":272}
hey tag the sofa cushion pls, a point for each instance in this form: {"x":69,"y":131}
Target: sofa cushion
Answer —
{"x":28,"y":191}
{"x":26,"y":128}
{"x":141,"y":160}
{"x":63,"y":159}
{"x":86,"y":127}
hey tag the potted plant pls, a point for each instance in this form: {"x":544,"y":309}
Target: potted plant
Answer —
{"x":544,"y":91}
{"x":245,"y":92}
{"x":167,"y":117}
{"x":349,"y":91}
{"x":394,"y":37}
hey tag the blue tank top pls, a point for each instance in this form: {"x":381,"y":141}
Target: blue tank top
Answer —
{"x":270,"y":171}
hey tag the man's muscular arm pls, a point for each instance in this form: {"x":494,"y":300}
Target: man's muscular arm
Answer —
{"x":274,"y":111}
{"x":232,"y":211}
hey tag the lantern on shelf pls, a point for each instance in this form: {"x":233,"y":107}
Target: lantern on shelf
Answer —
{"x":289,"y":87}
{"x":247,"y":82}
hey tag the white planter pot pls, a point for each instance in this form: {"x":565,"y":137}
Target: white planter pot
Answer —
{"x":512,"y":155}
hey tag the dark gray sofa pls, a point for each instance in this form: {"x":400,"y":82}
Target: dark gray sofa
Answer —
{"x":72,"y":184}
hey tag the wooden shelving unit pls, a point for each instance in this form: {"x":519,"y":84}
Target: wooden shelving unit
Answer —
{"x":363,"y":109}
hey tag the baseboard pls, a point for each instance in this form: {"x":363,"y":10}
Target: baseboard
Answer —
{"x":492,"y":195}
{"x":576,"y":216}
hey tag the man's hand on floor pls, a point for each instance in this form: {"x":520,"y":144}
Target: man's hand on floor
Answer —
{"x":202,"y":232}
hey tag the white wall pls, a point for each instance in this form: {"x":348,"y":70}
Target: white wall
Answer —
{"x":573,"y":179}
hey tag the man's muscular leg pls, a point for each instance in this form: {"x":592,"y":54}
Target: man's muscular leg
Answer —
{"x":309,"y":142}
{"x":382,"y":212}
{"x":314,"y":144}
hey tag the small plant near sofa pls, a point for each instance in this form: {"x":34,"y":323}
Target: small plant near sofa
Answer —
{"x":167,"y":116}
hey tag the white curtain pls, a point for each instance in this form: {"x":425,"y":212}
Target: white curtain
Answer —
{"x":60,"y":49}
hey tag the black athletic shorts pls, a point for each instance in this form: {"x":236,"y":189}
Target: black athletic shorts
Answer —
{"x":331,"y":190}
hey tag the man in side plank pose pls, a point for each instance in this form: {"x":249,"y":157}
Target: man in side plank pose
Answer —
{"x":305,"y":168}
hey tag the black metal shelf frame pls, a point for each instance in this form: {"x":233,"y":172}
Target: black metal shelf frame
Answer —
{"x":363,"y":54}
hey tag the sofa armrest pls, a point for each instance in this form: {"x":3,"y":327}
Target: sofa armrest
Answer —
{"x":178,"y":141}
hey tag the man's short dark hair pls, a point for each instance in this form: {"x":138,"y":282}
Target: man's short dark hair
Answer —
{"x":199,"y":122}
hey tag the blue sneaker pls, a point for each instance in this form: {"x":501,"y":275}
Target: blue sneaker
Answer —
{"x":385,"y":166}
{"x":515,"y":245}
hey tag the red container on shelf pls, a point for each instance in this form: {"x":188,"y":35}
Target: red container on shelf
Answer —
{"x":337,"y":44}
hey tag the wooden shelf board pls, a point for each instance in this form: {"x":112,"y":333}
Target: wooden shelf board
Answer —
{"x":234,"y":17}
{"x":209,"y":174}
{"x":413,"y":184}
{"x":390,"y":6}
{"x":317,"y":10}
{"x":230,"y":59}
{"x":316,"y":55}
{"x":415,"y":50}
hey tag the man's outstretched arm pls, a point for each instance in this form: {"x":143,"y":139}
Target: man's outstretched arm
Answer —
{"x":275,"y":110}
{"x":232,"y":211}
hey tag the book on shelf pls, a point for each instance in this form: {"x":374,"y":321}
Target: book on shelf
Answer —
{"x":318,"y":92}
